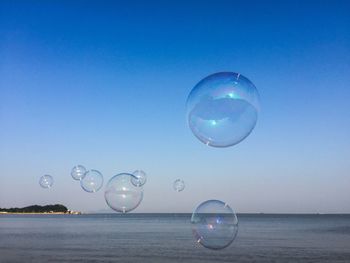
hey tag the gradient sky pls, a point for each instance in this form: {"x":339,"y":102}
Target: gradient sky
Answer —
{"x":104,"y":84}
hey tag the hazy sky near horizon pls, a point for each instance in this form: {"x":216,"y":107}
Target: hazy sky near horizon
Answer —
{"x":104,"y":84}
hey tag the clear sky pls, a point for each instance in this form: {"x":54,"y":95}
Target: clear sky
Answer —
{"x":104,"y":84}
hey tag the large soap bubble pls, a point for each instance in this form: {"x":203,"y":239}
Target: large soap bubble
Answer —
{"x":214,"y":224}
{"x":222,"y":109}
{"x":78,"y":172}
{"x":46,"y":181}
{"x":140,"y":178}
{"x":92,"y":181}
{"x":179,"y":185}
{"x":121,"y":194}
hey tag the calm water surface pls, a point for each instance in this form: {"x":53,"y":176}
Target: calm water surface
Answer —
{"x":167,"y":238}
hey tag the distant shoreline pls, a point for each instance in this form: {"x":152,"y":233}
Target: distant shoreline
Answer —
{"x":56,"y":209}
{"x":54,"y":213}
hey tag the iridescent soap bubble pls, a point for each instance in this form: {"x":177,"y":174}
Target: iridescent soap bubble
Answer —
{"x":214,"y":224}
{"x":179,"y":185}
{"x":222,"y":109}
{"x":139,"y":178}
{"x":46,"y":181}
{"x":121,"y":194}
{"x":92,"y":181}
{"x":78,"y":172}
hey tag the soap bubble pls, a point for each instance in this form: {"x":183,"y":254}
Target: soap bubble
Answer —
{"x":92,"y":181}
{"x":214,"y":224}
{"x":140,"y":179}
{"x":78,"y":172}
{"x":121,"y":194}
{"x":179,"y":185}
{"x":222,"y":109}
{"x":46,"y":181}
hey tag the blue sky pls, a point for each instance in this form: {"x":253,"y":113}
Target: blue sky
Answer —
{"x":104,"y":84}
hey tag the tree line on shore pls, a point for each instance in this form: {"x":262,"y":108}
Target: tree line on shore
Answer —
{"x":58,"y":208}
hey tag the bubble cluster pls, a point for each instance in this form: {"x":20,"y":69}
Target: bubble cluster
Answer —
{"x":222,"y":109}
{"x":140,"y":178}
{"x":214,"y":224}
{"x":46,"y":181}
{"x":179,"y":185}
{"x":121,"y":194}
{"x":92,"y":181}
{"x":78,"y":172}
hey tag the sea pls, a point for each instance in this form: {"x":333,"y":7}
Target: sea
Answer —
{"x":165,"y":238}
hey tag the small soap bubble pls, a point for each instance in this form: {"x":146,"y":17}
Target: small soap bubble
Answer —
{"x":121,"y":194}
{"x":214,"y":224}
{"x":46,"y":181}
{"x":78,"y":172}
{"x":92,"y":181}
{"x":179,"y":185}
{"x":222,"y":109}
{"x":139,"y":178}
